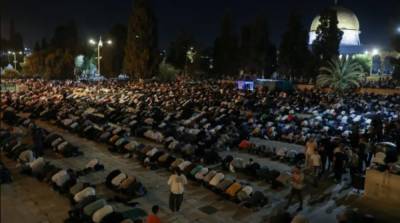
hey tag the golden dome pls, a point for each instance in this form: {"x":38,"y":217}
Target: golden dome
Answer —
{"x":347,"y":20}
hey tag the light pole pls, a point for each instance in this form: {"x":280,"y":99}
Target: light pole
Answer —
{"x":15,"y":57}
{"x":99,"y":45}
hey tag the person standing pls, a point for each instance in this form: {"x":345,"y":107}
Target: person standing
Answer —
{"x":311,"y":146}
{"x":176,"y":182}
{"x":354,"y":164}
{"x":316,"y":165}
{"x":338,"y":163}
{"x":297,"y":182}
{"x":38,"y":138}
{"x":322,"y":151}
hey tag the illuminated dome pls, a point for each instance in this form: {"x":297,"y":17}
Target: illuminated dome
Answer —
{"x":348,"y":23}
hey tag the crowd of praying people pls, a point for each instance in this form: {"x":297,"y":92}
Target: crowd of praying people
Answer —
{"x":200,"y":119}
{"x":292,"y":118}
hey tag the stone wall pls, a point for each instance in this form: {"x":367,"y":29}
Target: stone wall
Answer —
{"x":382,"y":186}
{"x":381,"y":91}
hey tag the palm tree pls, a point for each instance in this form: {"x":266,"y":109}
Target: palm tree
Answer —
{"x":340,"y":75}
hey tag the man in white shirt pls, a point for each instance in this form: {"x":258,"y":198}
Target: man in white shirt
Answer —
{"x":176,"y":182}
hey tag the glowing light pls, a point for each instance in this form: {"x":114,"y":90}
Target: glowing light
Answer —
{"x":91,"y":41}
{"x":366,"y":52}
{"x":398,"y":29}
{"x":375,"y":52}
{"x":109,"y":42}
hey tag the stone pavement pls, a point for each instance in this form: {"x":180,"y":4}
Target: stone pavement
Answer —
{"x":28,"y":200}
{"x":38,"y":203}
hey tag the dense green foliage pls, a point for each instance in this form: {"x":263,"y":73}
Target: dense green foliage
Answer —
{"x":340,"y":75}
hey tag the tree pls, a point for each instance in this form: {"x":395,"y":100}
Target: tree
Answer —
{"x":59,"y":65}
{"x":36,"y":48}
{"x":293,"y":50}
{"x":226,"y":49}
{"x":114,"y":56}
{"x":141,"y":53}
{"x":271,"y":60}
{"x":65,"y":37}
{"x":257,"y":54}
{"x":167,"y":72}
{"x":396,"y":61}
{"x":176,"y":54}
{"x":84,"y":65}
{"x":15,"y":42}
{"x":11,"y":74}
{"x":340,"y":75}
{"x":326,"y":45}
{"x":365,"y":62}
{"x":34,"y":64}
{"x":245,"y":47}
{"x":43,"y":44}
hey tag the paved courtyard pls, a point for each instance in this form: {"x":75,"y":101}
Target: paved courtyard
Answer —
{"x":28,"y":200}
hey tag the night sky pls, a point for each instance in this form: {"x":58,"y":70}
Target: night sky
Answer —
{"x":38,"y":18}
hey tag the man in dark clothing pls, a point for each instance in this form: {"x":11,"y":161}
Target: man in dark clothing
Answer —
{"x":323,"y":152}
{"x":329,"y":146}
{"x":338,"y":164}
{"x":361,"y":157}
{"x":37,"y":134}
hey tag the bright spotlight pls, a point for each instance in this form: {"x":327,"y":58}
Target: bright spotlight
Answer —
{"x":398,"y":29}
{"x":109,"y":42}
{"x":375,"y":52}
{"x":366,"y":52}
{"x":91,"y":41}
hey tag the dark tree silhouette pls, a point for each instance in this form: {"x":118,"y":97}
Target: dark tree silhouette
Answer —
{"x":293,"y":50}
{"x":141,"y":54}
{"x":257,"y":54}
{"x":66,"y":37}
{"x":226,"y":49}
{"x":396,"y":61}
{"x":114,"y":55}
{"x":176,"y":54}
{"x":326,"y":45}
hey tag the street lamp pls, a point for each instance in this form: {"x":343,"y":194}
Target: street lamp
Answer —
{"x":99,"y":45}
{"x":15,"y":57}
